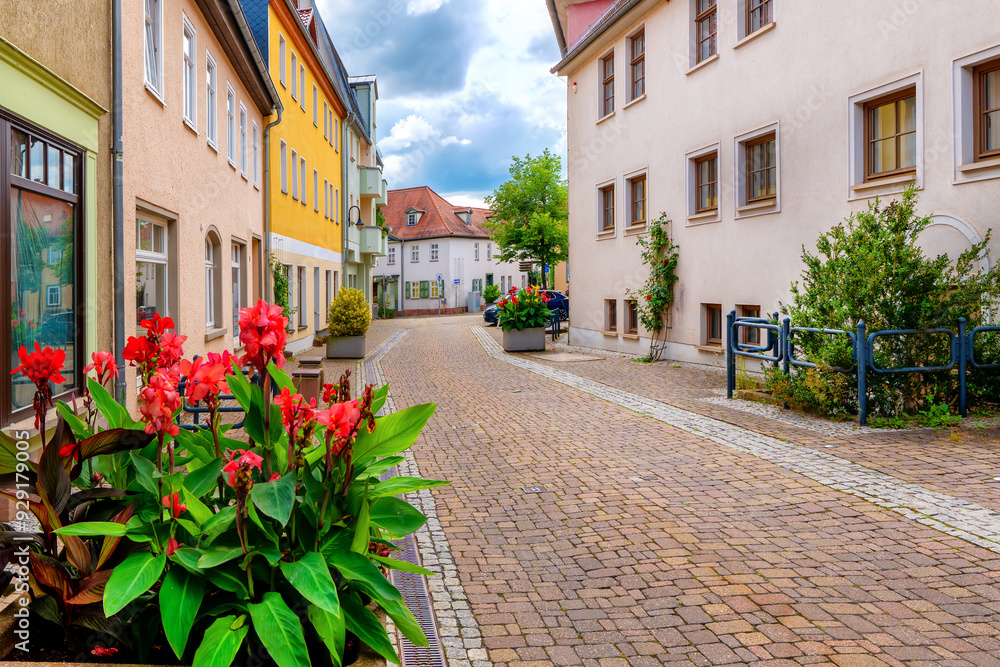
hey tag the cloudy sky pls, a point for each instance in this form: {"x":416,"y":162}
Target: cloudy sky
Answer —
{"x":463,"y":86}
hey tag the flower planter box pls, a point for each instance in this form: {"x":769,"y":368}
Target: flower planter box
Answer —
{"x":345,"y":347}
{"x":526,"y":340}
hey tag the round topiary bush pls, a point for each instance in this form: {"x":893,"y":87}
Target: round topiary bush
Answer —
{"x":349,"y":314}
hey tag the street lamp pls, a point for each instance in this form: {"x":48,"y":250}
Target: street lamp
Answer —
{"x":355,"y":219}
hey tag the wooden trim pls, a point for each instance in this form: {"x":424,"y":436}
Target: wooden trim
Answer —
{"x":748,"y":148}
{"x":713,"y":37}
{"x":871,"y":105}
{"x":709,"y":309}
{"x":611,"y":316}
{"x":633,"y":221}
{"x":698,"y":161}
{"x":632,"y":316}
{"x":978,"y":105}
{"x":605,"y":209}
{"x":766,"y":8}
{"x":607,"y":85}
{"x":637,"y":61}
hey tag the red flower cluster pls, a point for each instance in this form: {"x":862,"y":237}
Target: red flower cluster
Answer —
{"x":158,"y":349}
{"x":41,"y":367}
{"x":104,"y":364}
{"x":295,"y":412}
{"x":102,"y":652}
{"x":241,"y":466}
{"x":160,"y":400}
{"x":206,"y":376}
{"x":263,"y":334}
{"x":340,"y":420}
{"x":174,"y":504}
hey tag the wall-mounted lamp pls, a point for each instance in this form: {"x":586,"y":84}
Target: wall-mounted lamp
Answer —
{"x":574,"y":87}
{"x":355,"y":219}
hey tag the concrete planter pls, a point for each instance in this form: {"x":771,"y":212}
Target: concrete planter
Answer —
{"x":526,"y":340}
{"x":345,"y":347}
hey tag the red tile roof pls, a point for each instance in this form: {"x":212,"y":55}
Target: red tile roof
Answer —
{"x":305,"y":15}
{"x":439,"y":218}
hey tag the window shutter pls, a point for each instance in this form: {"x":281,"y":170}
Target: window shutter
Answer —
{"x":406,"y":293}
{"x":425,"y":289}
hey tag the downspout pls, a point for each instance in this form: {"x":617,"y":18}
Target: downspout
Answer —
{"x":345,"y":186}
{"x":401,"y":284}
{"x":267,"y":204}
{"x":118,"y":197}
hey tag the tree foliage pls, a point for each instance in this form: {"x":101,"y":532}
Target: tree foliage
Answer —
{"x":530,"y":212}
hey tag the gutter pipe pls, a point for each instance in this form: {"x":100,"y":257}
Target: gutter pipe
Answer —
{"x":345,"y":187}
{"x":267,"y":204}
{"x":118,"y":197}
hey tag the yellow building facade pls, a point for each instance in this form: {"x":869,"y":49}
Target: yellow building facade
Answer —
{"x":306,"y":174}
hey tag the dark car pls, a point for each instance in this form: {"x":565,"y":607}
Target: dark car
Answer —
{"x":557,"y":301}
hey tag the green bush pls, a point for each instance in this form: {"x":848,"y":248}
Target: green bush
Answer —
{"x":386,"y":313}
{"x":491,"y":293}
{"x":349,"y":314}
{"x":870,"y":269}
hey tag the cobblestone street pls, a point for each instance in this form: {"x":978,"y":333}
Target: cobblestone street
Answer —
{"x":608,"y":513}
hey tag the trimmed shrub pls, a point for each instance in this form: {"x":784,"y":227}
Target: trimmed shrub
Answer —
{"x":349,"y":314}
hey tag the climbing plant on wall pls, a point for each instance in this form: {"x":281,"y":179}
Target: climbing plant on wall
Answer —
{"x":654,"y":299}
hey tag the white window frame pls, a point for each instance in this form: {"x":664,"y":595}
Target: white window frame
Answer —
{"x":857,"y":187}
{"x":153,"y":30}
{"x":256,"y":155}
{"x":283,"y":157}
{"x":231,"y":124}
{"x":326,"y":199}
{"x":303,"y":184}
{"x":326,"y":121}
{"x":294,"y":88}
{"x":160,"y":258}
{"x":51,"y":290}
{"x":741,"y":209}
{"x":302,"y":86}
{"x":243,"y":141}
{"x":315,"y":106}
{"x":476,"y":253}
{"x":610,"y":233}
{"x":212,"y":101}
{"x":210,"y":296}
{"x":300,"y":278}
{"x":281,"y":59}
{"x":742,"y":36}
{"x":435,"y":291}
{"x":691,"y":181}
{"x":489,"y":252}
{"x":392,"y":255}
{"x":238,"y":268}
{"x":411,"y":219}
{"x":336,"y":134}
{"x":337,"y":202}
{"x":189,"y":77}
{"x":316,"y":190}
{"x":414,"y":254}
{"x":295,"y":174}
{"x":434,"y":252}
{"x":966,"y":168}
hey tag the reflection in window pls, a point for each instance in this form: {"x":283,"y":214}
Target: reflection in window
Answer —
{"x":150,"y":270}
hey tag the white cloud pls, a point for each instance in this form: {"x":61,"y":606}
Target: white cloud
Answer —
{"x":450,"y":141}
{"x":417,"y":7}
{"x":474,"y":199}
{"x":411,"y":130}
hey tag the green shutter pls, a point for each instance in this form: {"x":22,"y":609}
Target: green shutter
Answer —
{"x":406,"y":291}
{"x":425,"y":289}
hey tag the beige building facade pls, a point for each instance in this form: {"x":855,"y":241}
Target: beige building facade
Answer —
{"x":754,"y":126}
{"x":196,"y":102}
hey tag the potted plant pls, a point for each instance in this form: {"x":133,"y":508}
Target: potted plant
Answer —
{"x":348,"y":318}
{"x":220,"y":545}
{"x":523,"y":317}
{"x":490,"y":294}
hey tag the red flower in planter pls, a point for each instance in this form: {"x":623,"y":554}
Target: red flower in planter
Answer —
{"x":159,"y":348}
{"x":206,"y":376}
{"x":172,"y":546}
{"x":159,"y":401}
{"x":263,"y":334}
{"x":104,"y":365}
{"x":41,"y":367}
{"x":340,"y":419}
{"x":295,"y":412}
{"x":239,"y":469}
{"x":171,"y":349}
{"x":174,"y":504}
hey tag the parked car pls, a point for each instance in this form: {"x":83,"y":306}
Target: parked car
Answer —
{"x":59,"y":329}
{"x":557,"y":302}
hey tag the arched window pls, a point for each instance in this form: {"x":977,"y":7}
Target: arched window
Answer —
{"x":209,"y":283}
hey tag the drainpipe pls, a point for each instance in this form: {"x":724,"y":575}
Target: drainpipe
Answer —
{"x":401,"y":284}
{"x":118,"y":197}
{"x":267,"y":205}
{"x":345,"y":185}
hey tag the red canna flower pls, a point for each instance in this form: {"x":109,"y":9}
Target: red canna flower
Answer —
{"x":41,"y":367}
{"x":295,"y":412}
{"x":341,"y":418}
{"x":104,"y":365}
{"x":159,"y":348}
{"x":172,"y":546}
{"x":241,"y":466}
{"x":174,"y":503}
{"x":71,"y":449}
{"x":513,"y":300}
{"x":206,"y":377}
{"x":171,"y":349}
{"x":102,"y":652}
{"x":263,"y":334}
{"x":160,"y":400}
{"x":274,"y":477}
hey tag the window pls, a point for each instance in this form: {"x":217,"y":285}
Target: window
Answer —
{"x":231,"y":124}
{"x":303,"y":193}
{"x":152,"y":268}
{"x":256,"y":155}
{"x":706,"y":183}
{"x":489,"y":252}
{"x":326,"y":121}
{"x":891,"y":135}
{"x":53,"y":296}
{"x":632,"y":312}
{"x":713,"y":324}
{"x":243,"y":140}
{"x":761,"y":169}
{"x":295,"y":175}
{"x":336,"y":133}
{"x":188,"y":76}
{"x":524,"y":282}
{"x":238,"y":265}
{"x":759,"y":14}
{"x":281,"y":59}
{"x":336,"y":201}
{"x":610,"y":315}
{"x":749,"y":335}
{"x":489,"y":279}
{"x":706,"y":27}
{"x":606,"y":197}
{"x":434,"y":252}
{"x":411,"y":219}
{"x":503,"y":285}
{"x":152,"y":54}
{"x":608,"y":84}
{"x":392,"y":255}
{"x":986,"y":101}
{"x":211,"y":295}
{"x":637,"y":201}
{"x":638,"y":65}
{"x":316,"y":190}
{"x":476,"y":253}
{"x":435,"y":289}
{"x":300,"y":288}
{"x":326,"y":199}
{"x":414,"y":290}
{"x":302,"y":87}
{"x":316,"y":106}
{"x":211,"y":102}
{"x":414,"y":253}
{"x":283,"y":155}
{"x":295,"y":77}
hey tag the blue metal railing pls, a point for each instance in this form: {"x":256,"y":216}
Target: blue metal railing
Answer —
{"x":780,"y":350}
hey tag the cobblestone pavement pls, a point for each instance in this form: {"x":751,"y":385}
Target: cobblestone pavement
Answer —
{"x":585,"y":533}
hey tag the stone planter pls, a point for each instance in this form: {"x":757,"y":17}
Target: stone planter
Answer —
{"x":345,"y":347}
{"x":526,"y":340}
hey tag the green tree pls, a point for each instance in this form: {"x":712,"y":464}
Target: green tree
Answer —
{"x":529,"y":221}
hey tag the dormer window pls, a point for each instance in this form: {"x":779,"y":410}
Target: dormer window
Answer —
{"x":466,"y":216}
{"x":411,"y":219}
